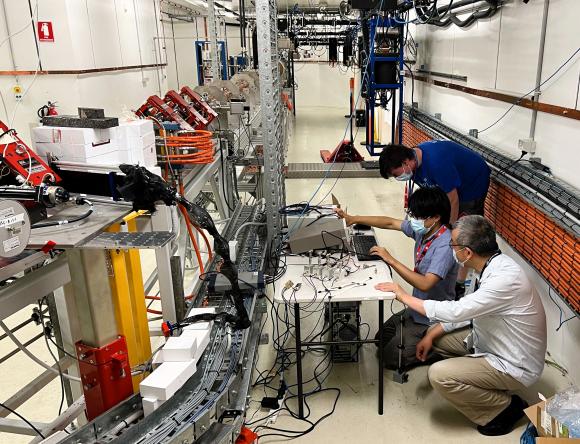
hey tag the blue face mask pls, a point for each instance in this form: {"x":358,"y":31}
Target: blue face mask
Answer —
{"x":418,"y":226}
{"x":405,"y":176}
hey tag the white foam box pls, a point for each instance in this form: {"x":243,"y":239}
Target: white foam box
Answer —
{"x":200,"y":325}
{"x":142,"y":155}
{"x":137,"y":128}
{"x":74,"y":136}
{"x":167,"y":379}
{"x":202,"y":338}
{"x":79,"y":152}
{"x":179,"y":348}
{"x":150,"y":405}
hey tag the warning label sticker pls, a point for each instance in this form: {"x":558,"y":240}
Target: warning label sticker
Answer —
{"x":6,"y":212}
{"x":11,"y":220}
{"x":11,"y":244}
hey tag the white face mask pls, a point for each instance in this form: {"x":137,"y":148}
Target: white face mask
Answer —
{"x":405,"y":176}
{"x":457,"y":260}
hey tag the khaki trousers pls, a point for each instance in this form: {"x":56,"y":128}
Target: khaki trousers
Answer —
{"x":472,"y":385}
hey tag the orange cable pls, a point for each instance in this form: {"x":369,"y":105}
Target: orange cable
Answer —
{"x":199,"y":230}
{"x":192,"y":237}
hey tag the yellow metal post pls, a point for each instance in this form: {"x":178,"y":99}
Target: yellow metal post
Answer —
{"x":129,"y":300}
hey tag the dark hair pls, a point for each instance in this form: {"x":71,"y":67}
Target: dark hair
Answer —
{"x":428,"y":202}
{"x":392,"y":157}
{"x":477,"y":233}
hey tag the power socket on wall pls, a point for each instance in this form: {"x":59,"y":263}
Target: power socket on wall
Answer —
{"x":527,"y":145}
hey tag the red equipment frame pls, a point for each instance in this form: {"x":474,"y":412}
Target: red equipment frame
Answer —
{"x":19,"y":158}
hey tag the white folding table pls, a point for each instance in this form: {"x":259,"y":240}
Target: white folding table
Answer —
{"x":356,"y":287}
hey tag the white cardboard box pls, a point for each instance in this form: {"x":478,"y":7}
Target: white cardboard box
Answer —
{"x":167,"y":379}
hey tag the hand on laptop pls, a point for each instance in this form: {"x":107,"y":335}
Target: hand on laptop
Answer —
{"x":343,"y":215}
{"x":382,"y":253}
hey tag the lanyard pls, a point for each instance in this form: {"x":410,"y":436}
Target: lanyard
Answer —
{"x":420,"y":255}
{"x":476,"y":287}
{"x":496,"y":254}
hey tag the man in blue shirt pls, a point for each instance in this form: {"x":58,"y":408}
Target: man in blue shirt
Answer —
{"x":433,"y":275}
{"x":460,"y":172}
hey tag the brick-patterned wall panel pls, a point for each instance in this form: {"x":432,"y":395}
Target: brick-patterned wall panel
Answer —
{"x":551,"y":250}
{"x":413,"y":136}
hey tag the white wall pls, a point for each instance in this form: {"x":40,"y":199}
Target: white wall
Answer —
{"x":320,"y":84}
{"x":501,"y":54}
{"x":88,"y":34}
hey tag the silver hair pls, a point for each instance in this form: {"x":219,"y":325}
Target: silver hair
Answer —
{"x":477,"y":233}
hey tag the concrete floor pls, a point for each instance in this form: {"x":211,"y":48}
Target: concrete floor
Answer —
{"x":413,"y":412}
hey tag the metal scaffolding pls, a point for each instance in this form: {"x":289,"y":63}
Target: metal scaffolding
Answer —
{"x":272,"y":114}
{"x":213,"y":40}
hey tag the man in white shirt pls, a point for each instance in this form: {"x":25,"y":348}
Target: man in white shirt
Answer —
{"x":496,"y":336}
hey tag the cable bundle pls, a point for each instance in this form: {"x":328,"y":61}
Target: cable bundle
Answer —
{"x":198,"y":145}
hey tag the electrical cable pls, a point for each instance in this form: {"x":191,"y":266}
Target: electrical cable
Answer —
{"x":193,"y":239}
{"x":80,"y":200}
{"x":247,"y":224}
{"x":503,"y":170}
{"x":38,"y":67}
{"x":561,"y":321}
{"x":31,"y":356}
{"x":56,"y":361}
{"x":4,"y":406}
{"x":222,"y":170}
{"x":517,"y":102}
{"x":198,"y":141}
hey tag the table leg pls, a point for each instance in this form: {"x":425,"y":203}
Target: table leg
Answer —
{"x":299,"y":361}
{"x":381,"y":349}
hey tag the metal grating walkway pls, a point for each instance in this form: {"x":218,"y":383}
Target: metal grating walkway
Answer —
{"x":319,"y":170}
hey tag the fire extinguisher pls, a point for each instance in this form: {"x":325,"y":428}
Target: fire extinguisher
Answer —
{"x":47,"y":110}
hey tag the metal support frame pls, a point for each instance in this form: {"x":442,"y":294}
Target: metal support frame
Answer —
{"x":161,"y":221}
{"x":69,"y":415}
{"x":24,"y":394}
{"x":92,"y":294}
{"x":213,"y":40}
{"x":272,"y":126}
{"x":395,"y":88}
{"x":29,"y":288}
{"x":9,"y":425}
